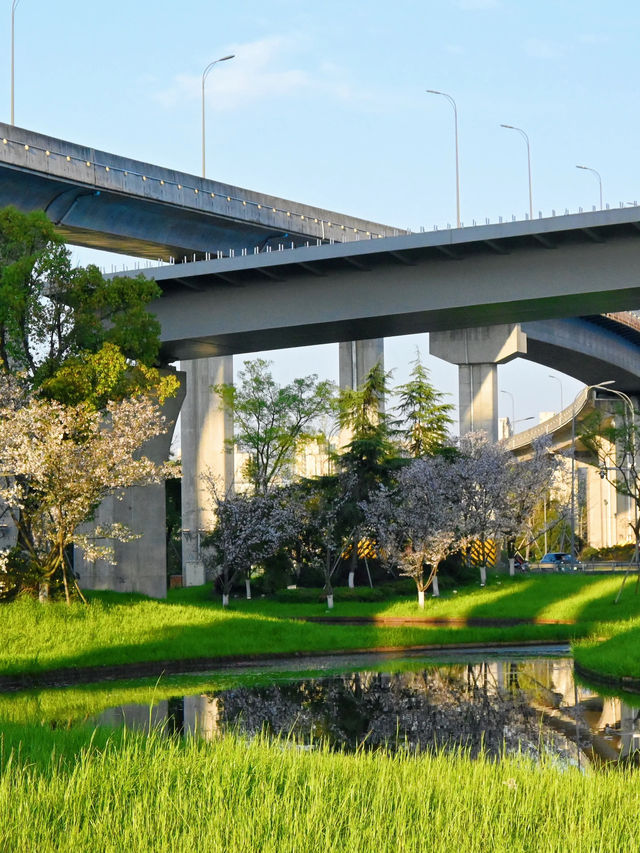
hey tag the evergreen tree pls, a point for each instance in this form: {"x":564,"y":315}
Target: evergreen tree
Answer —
{"x":425,"y":418}
{"x":371,"y":455}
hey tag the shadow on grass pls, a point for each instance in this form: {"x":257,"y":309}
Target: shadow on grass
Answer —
{"x":578,"y":598}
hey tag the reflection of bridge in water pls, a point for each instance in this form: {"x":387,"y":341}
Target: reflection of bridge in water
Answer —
{"x":511,"y":703}
{"x":487,"y":294}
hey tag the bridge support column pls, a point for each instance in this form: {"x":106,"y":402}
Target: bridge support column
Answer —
{"x":357,"y":358}
{"x":477,"y":352}
{"x":140,"y":565}
{"x":204,"y":428}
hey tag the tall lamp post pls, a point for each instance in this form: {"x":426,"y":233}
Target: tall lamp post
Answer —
{"x":628,"y":402}
{"x":14,"y":6}
{"x":559,"y":381}
{"x":597,"y":174}
{"x":455,"y":124}
{"x":526,"y":139}
{"x":205,"y":74}
{"x":513,"y":408}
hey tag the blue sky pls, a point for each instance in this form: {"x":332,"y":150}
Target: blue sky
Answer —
{"x":325,"y":103}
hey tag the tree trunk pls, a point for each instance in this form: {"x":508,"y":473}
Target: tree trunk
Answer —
{"x":330,"y":601}
{"x":353,"y":562}
{"x":512,"y":566}
{"x":225,"y":599}
{"x":247,"y":584}
{"x":435,"y":587}
{"x":43,"y":593}
{"x":483,"y":575}
{"x":421,"y":598}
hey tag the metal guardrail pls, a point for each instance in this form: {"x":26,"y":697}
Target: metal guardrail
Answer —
{"x":587,"y":566}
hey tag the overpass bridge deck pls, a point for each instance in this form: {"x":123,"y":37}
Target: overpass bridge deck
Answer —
{"x":106,"y":201}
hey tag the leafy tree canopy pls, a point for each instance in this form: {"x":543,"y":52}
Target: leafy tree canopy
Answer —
{"x":69,"y":332}
{"x":272,"y":421}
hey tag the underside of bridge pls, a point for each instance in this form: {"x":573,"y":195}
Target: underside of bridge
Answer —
{"x":519,"y":286}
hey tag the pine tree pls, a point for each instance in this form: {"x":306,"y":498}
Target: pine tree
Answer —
{"x":425,"y":418}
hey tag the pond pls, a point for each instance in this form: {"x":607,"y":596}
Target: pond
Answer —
{"x":506,"y":701}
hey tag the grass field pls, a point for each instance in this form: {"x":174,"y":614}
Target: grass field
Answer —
{"x":122,"y":629}
{"x":61,"y":791}
{"x":65,"y":786}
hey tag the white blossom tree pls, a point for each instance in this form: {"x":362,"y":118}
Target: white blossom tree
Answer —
{"x":249,"y":529}
{"x":321,"y":509}
{"x":57,"y":463}
{"x":414,"y":523}
{"x":482,"y":475}
{"x":530,"y":480}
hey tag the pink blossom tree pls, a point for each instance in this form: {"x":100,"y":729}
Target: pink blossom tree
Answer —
{"x":414,"y":523}
{"x":249,"y":529}
{"x":57,"y":463}
{"x":482,"y":476}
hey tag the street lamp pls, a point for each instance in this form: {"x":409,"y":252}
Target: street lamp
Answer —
{"x":205,"y":74}
{"x":14,"y":6}
{"x":597,"y":174}
{"x":526,"y":139}
{"x":513,"y":413}
{"x":628,"y":402}
{"x":559,"y":381}
{"x":513,"y":406}
{"x":455,"y":123}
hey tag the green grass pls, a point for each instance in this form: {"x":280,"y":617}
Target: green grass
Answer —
{"x":122,"y":629}
{"x":162,"y":794}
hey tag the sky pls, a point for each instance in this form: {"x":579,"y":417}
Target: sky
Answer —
{"x":325,"y":104}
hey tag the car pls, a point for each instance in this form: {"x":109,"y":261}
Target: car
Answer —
{"x":559,"y":560}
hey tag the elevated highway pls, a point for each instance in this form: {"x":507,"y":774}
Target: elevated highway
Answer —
{"x":253,"y":271}
{"x":519,"y":272}
{"x":105,"y":201}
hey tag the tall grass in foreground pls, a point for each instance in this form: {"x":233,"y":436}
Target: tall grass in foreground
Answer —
{"x":164,"y":795}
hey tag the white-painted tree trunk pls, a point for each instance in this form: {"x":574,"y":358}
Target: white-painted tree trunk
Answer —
{"x":421,"y":598}
{"x":483,"y":575}
{"x":225,"y":599}
{"x":247,"y":584}
{"x":351,"y":580}
{"x":435,"y":587}
{"x":512,"y":566}
{"x":330,"y":601}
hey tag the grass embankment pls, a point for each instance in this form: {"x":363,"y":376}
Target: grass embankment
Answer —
{"x":124,"y":629}
{"x":165,"y":795}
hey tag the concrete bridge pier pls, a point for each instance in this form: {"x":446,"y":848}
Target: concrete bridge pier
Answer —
{"x":139,"y":565}
{"x":205,"y":427}
{"x":478,"y":352}
{"x":357,"y":358}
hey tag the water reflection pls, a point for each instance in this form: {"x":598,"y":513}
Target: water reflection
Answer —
{"x":498,"y":706}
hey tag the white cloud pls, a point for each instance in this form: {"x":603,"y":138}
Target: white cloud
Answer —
{"x":259,"y":70}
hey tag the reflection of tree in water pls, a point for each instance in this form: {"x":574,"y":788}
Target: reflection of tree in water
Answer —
{"x":459,"y":707}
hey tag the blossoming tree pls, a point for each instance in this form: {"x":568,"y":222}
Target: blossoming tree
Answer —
{"x":414,"y":523}
{"x":57,"y":463}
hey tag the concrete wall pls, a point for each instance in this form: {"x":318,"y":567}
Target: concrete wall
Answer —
{"x":140,"y":565}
